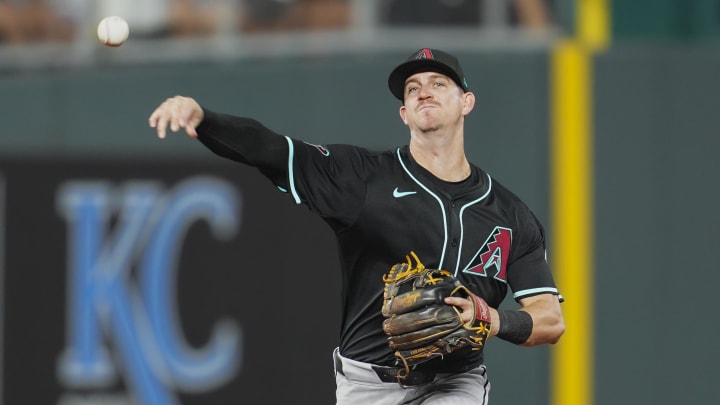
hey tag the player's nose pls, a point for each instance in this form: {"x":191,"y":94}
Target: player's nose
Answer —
{"x":424,"y":92}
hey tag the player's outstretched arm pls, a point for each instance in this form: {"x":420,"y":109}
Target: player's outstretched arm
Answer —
{"x":178,"y":113}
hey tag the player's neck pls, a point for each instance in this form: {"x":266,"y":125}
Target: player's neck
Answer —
{"x":445,"y":160}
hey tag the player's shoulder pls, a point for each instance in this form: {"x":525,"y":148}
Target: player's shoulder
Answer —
{"x":352,"y":157}
{"x":501,"y":189}
{"x":515,"y":209}
{"x":345,"y":149}
{"x":369,"y":156}
{"x":506,"y":197}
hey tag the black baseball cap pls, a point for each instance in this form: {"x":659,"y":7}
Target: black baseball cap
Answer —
{"x":426,"y":60}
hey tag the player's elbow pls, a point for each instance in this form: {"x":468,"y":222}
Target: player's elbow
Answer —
{"x":549,"y":332}
{"x":548,"y":322}
{"x":557,"y":331}
{"x":555,"y":328}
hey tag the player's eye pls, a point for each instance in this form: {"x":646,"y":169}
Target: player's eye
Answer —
{"x":412,"y":89}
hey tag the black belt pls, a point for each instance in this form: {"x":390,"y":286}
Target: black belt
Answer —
{"x":393,"y":374}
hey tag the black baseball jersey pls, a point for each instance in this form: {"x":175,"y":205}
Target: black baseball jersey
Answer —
{"x":382,"y":205}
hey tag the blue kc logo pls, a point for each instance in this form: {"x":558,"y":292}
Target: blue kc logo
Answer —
{"x":113,"y":316}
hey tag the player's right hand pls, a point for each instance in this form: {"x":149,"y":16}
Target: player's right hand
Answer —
{"x":179,"y":113}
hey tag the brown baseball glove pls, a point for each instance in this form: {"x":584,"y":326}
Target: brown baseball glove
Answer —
{"x":419,"y":325}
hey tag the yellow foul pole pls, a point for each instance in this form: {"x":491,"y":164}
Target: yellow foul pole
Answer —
{"x":572,"y":200}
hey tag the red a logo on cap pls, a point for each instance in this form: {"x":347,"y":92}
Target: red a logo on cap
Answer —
{"x":424,"y":54}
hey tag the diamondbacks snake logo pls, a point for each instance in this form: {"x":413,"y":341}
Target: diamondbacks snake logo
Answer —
{"x":424,"y":54}
{"x":321,"y":148}
{"x":492,"y":257}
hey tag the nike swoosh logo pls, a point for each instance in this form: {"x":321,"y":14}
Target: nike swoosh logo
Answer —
{"x":399,"y":194}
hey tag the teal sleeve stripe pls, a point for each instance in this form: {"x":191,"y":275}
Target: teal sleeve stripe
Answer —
{"x":291,"y":172}
{"x":535,"y":291}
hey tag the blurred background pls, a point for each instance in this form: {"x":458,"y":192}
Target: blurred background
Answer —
{"x":149,"y":272}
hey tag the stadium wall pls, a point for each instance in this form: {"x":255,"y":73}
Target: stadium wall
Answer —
{"x":75,"y":148}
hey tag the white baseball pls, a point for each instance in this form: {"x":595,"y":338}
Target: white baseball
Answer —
{"x":113,"y":31}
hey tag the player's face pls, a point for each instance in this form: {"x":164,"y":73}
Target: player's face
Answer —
{"x":433,"y":101}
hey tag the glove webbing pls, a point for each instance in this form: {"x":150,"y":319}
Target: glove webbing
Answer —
{"x":409,"y":272}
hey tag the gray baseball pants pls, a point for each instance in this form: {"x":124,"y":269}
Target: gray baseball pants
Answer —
{"x":358,"y":383}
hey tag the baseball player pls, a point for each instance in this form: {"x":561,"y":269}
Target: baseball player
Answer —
{"x":424,"y":197}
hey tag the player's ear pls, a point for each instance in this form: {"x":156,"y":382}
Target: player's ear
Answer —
{"x":403,"y":114}
{"x":468,"y":102}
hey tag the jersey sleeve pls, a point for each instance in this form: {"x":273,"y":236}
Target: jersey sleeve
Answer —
{"x":247,"y":141}
{"x":329,"y":179}
{"x":528,"y":272}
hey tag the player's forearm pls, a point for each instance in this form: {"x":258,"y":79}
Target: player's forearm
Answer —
{"x":243,"y":140}
{"x":547,"y":319}
{"x":538,"y":322}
